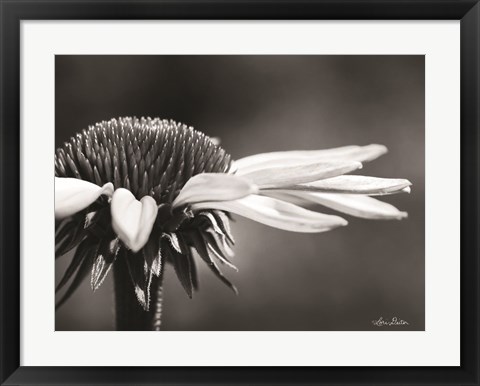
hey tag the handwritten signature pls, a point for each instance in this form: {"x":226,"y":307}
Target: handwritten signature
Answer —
{"x":381,"y":322}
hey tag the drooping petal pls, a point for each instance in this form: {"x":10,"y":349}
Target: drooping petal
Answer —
{"x":72,"y":195}
{"x":276,"y":213}
{"x":214,"y":187}
{"x":353,"y":204}
{"x":132,"y":220}
{"x":286,"y":158}
{"x":275,"y":177}
{"x":356,"y":185}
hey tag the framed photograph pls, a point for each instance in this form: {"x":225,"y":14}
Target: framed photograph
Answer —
{"x":239,"y":193}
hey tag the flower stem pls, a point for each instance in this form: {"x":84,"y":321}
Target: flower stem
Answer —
{"x":129,"y":315}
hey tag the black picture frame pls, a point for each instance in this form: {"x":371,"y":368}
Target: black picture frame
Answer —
{"x":13,"y":11}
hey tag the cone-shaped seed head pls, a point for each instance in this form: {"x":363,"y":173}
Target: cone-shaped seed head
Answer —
{"x":146,"y":156}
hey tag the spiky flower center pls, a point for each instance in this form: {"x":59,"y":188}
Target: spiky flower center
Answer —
{"x":146,"y":156}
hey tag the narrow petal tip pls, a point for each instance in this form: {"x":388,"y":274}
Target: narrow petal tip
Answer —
{"x":288,"y":158}
{"x":352,"y":204}
{"x":377,"y":149}
{"x":356,"y":184}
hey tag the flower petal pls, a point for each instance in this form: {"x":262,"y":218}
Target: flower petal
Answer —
{"x":274,"y":177}
{"x":214,"y":187}
{"x":132,"y":220}
{"x":353,"y":204}
{"x":357,"y":185}
{"x":285,"y":158}
{"x":276,"y":213}
{"x":72,"y":195}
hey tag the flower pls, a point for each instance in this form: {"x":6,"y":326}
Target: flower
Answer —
{"x":151,"y":192}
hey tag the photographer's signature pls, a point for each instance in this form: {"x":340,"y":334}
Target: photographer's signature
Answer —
{"x":381,"y":322}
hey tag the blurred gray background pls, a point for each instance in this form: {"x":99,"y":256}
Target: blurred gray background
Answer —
{"x":339,"y":280}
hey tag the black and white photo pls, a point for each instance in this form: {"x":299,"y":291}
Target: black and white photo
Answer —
{"x":242,"y":192}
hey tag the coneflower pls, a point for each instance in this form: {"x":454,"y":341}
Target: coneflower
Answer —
{"x":136,"y":194}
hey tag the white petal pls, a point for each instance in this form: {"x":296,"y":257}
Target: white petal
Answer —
{"x":132,"y":220}
{"x":214,"y":187}
{"x":356,"y":184}
{"x":274,"y":177}
{"x":276,"y":213}
{"x":286,"y":158}
{"x":352,"y":204}
{"x":72,"y":195}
